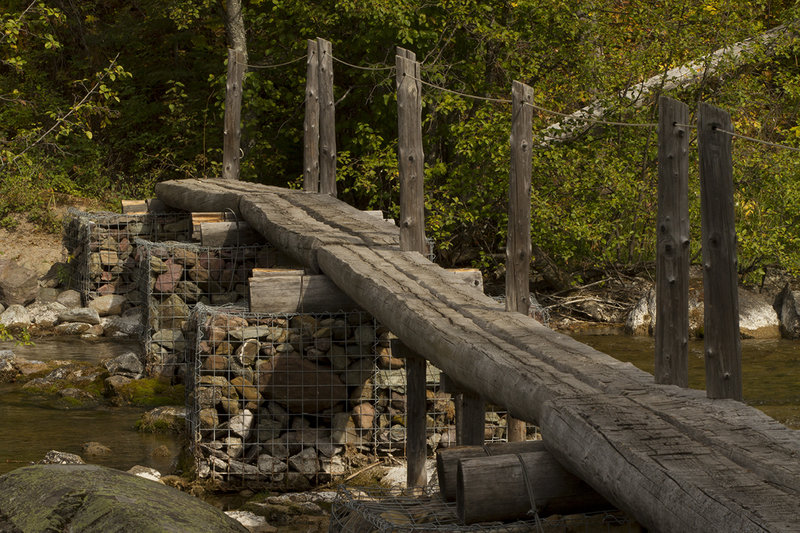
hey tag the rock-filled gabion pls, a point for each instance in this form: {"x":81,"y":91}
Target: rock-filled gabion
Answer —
{"x":288,"y":400}
{"x":102,"y":248}
{"x":174,"y":277}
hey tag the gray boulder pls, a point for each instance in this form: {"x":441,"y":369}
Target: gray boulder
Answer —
{"x":18,"y":285}
{"x":69,"y":298}
{"x":8,"y":366}
{"x":128,"y":324}
{"x":127,"y":364}
{"x":46,"y":315}
{"x":83,"y":315}
{"x":16,"y":317}
{"x":787,"y":305}
{"x":110,"y":304}
{"x":92,"y":498}
{"x":757,"y":318}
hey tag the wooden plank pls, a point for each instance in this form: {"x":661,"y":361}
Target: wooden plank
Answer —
{"x":267,"y":272}
{"x":311,"y":121}
{"x":327,"y":120}
{"x":416,"y":400}
{"x":532,"y":481}
{"x":723,"y":347}
{"x":233,"y":114}
{"x":672,"y":233}
{"x":518,"y":247}
{"x":410,"y":158}
{"x":292,"y":293}
{"x":134,"y":206}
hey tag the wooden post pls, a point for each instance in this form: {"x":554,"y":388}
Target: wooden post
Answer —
{"x":311,"y":122}
{"x":416,"y":438}
{"x":470,"y":412}
{"x":409,"y":152}
{"x":723,"y":348}
{"x":327,"y":120}
{"x":518,"y":246}
{"x":233,"y":114}
{"x":672,"y":261}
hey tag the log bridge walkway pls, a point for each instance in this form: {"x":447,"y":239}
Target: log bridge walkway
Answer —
{"x":674,"y":459}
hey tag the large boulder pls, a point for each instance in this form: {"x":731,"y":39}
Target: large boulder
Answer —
{"x":18,"y":285}
{"x":757,"y":318}
{"x":16,"y":317}
{"x":92,"y":498}
{"x":110,"y":304}
{"x":787,"y":305}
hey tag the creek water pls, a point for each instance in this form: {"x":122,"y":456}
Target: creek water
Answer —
{"x":770,"y":368}
{"x":31,"y":425}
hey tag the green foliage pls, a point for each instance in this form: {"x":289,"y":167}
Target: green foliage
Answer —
{"x":77,"y":124}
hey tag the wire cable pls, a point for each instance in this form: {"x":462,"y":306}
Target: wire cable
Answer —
{"x":277,"y":65}
{"x":343,"y":62}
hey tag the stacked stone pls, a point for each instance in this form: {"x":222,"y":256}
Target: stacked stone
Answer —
{"x":175,"y":277}
{"x":102,"y":248}
{"x":287,"y":401}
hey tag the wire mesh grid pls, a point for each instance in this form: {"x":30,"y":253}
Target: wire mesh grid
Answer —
{"x":368,"y":510}
{"x":294,"y":399}
{"x":102,"y":249}
{"x":173,"y":278}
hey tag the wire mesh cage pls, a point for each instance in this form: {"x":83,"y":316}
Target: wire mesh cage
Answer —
{"x":173,"y":278}
{"x":289,"y":400}
{"x":102,"y":248}
{"x":379,"y":509}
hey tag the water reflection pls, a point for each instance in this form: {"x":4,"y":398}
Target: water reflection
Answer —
{"x":31,"y":426}
{"x":771,"y":369}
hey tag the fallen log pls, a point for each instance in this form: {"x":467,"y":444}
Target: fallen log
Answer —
{"x":528,"y":482}
{"x":448,"y":458}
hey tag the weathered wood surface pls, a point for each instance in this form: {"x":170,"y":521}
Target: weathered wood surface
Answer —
{"x":448,"y":458}
{"x":518,"y":247}
{"x":233,"y":114}
{"x":410,"y":158}
{"x":311,"y":121}
{"x":723,"y":346}
{"x":292,"y":293}
{"x":524,"y":481}
{"x":672,"y":234}
{"x":228,"y":234}
{"x":327,"y":120}
{"x":673,"y":458}
{"x":416,"y":423}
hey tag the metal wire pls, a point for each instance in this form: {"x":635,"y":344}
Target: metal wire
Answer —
{"x":278,"y":65}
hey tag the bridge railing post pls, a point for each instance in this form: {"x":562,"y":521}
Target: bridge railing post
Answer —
{"x":723,"y":347}
{"x":672,"y":256}
{"x":311,"y":121}
{"x":327,"y":120}
{"x":518,"y":245}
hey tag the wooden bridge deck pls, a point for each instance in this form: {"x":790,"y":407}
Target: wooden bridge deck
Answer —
{"x":674,"y":459}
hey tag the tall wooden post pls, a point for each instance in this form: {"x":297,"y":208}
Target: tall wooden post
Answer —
{"x":233,"y":114}
{"x":416,"y":438}
{"x":723,"y":348}
{"x":327,"y":120}
{"x":409,"y":152}
{"x":412,"y":239}
{"x":518,"y":246}
{"x":311,"y":122}
{"x":672,"y":261}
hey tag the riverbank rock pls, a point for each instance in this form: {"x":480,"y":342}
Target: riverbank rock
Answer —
{"x":110,"y":304}
{"x":127,"y":364}
{"x":18,"y":285}
{"x":757,"y":317}
{"x":82,"y":315}
{"x":46,"y":315}
{"x":787,"y":305}
{"x":15,"y":318}
{"x":8,"y":366}
{"x":91,"y":498}
{"x":55,"y":457}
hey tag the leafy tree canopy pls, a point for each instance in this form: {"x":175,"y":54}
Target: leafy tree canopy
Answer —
{"x":112,"y":97}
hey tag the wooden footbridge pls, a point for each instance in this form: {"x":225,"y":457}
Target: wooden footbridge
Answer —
{"x":674,"y":459}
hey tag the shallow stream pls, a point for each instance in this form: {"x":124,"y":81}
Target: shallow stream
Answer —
{"x":770,"y":368}
{"x":32,"y":425}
